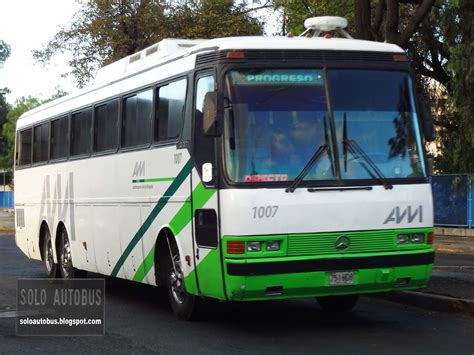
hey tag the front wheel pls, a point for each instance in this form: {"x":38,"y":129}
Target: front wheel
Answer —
{"x":185,"y":306}
{"x":68,"y":271}
{"x":338,"y":304}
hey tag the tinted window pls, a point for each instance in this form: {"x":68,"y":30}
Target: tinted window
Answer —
{"x":170,"y":110}
{"x":40,"y":143}
{"x":136,"y":123}
{"x":81,"y":132}
{"x":105,"y":126}
{"x":59,"y":138}
{"x":24,"y":147}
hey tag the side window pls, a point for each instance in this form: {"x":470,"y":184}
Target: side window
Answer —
{"x":59,"y":138}
{"x":136,"y":124}
{"x":170,"y":110}
{"x":105,"y":126}
{"x":81,"y":132}
{"x":40,"y":143}
{"x":204,"y":85}
{"x":23,"y":152}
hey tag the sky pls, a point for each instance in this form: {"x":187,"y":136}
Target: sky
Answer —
{"x":27,"y":25}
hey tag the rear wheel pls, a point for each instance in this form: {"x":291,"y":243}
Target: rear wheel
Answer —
{"x":52,"y":269}
{"x":185,"y":306}
{"x":68,"y":271}
{"x":338,"y":304}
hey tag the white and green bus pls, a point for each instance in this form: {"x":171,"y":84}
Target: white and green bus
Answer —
{"x":237,"y":169}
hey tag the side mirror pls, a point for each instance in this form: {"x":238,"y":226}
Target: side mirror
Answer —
{"x":209,"y":114}
{"x":427,"y":121}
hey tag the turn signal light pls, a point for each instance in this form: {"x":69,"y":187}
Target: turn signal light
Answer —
{"x":430,"y":238}
{"x":235,"y":247}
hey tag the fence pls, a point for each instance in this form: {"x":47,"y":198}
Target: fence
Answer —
{"x":452,"y":198}
{"x":6,"y":199}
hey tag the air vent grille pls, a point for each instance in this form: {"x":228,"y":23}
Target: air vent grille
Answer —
{"x":300,"y":55}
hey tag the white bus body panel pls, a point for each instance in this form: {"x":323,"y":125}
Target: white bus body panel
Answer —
{"x":321,"y":211}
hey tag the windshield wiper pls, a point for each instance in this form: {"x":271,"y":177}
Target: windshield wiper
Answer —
{"x":316,"y":156}
{"x":351,"y":146}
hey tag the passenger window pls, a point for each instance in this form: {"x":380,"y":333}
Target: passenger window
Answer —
{"x":81,"y":132}
{"x":136,"y":124}
{"x":105,"y":126}
{"x":24,"y":147}
{"x":170,"y":110}
{"x":59,"y":138}
{"x":40,"y":143}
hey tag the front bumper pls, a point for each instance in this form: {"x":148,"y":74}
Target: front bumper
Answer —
{"x":274,"y":278}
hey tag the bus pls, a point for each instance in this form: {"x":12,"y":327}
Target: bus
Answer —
{"x":235,"y":169}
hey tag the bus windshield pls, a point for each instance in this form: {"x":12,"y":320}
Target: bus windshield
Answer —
{"x":276,"y":119}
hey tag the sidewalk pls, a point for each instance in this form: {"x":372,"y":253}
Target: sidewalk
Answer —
{"x":7,"y":222}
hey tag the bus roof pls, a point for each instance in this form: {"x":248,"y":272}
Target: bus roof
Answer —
{"x":169,"y":50}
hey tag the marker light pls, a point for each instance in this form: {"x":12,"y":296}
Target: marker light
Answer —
{"x":273,"y":245}
{"x":235,"y":247}
{"x":403,"y":239}
{"x":254,"y":246}
{"x":235,"y":55}
{"x":417,"y":238}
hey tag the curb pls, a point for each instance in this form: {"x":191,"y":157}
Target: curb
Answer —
{"x":454,"y":250}
{"x":7,"y":230}
{"x":430,"y":301}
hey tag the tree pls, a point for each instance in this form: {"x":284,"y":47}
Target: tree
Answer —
{"x":456,"y":129}
{"x":104,"y":31}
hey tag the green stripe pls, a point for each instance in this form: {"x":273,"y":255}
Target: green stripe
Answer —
{"x":200,"y":196}
{"x":152,"y":180}
{"x":182,"y":175}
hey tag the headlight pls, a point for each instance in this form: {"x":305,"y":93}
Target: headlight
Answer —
{"x":417,"y":238}
{"x":403,"y":239}
{"x":254,"y":246}
{"x":273,"y":245}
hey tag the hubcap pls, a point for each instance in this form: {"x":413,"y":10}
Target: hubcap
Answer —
{"x":66,"y":260}
{"x":49,"y":257}
{"x":176,"y":281}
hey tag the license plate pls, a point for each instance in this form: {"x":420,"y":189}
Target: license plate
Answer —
{"x":341,"y":278}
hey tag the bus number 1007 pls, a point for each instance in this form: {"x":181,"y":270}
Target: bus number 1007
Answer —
{"x":265,"y":211}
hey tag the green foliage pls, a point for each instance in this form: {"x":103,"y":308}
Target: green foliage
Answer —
{"x":457,"y":132}
{"x":104,"y":31}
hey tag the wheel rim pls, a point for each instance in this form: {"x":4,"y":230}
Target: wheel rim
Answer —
{"x":176,"y":281}
{"x":49,"y":256}
{"x":66,"y":260}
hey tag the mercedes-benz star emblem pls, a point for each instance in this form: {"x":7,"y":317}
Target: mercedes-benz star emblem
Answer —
{"x":343,"y":243}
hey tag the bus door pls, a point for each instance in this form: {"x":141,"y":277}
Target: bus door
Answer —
{"x":207,"y":253}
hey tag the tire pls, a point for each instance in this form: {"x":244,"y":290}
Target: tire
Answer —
{"x":66,"y":268}
{"x":338,"y":304}
{"x":184,"y":305}
{"x":52,"y":269}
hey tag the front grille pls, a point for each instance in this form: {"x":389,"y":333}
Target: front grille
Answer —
{"x":325,"y":243}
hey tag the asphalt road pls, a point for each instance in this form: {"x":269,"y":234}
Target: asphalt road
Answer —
{"x":138,"y":320}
